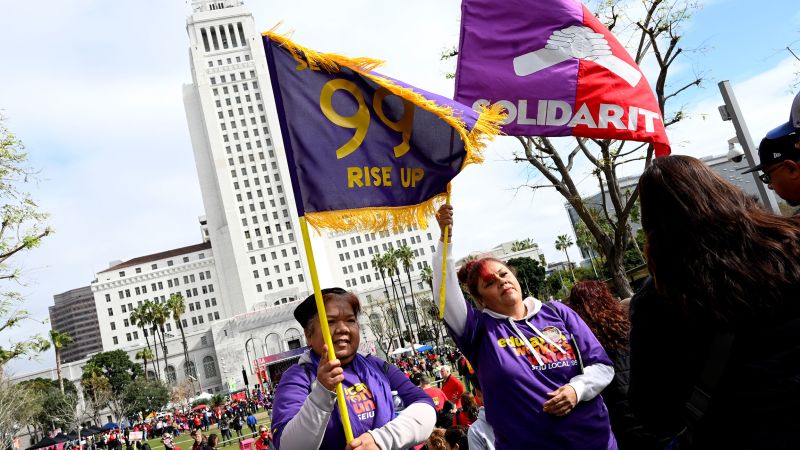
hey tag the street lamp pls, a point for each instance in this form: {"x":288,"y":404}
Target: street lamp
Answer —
{"x":730,"y":112}
{"x":199,"y":386}
{"x":247,"y":351}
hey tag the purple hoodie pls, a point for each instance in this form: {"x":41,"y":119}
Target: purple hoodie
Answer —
{"x":515,"y":380}
{"x":368,"y":385}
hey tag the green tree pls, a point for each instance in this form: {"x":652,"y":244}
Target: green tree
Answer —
{"x":145,"y":355}
{"x":380,"y":263}
{"x":140,"y":317}
{"x":392,"y":269}
{"x":531,"y":275}
{"x":58,"y":409}
{"x":563,"y":242}
{"x":145,"y":396}
{"x":120,"y":371}
{"x":555,"y":284}
{"x":427,"y":277}
{"x":116,"y":366}
{"x":19,"y":404}
{"x":524,"y":244}
{"x":97,"y":392}
{"x":59,"y":341}
{"x":177,"y":307}
{"x":406,"y":257}
{"x":22,"y":228}
{"x":159,"y":315}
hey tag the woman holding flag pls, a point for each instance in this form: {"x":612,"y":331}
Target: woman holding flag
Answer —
{"x":304,"y":415}
{"x":539,"y":365}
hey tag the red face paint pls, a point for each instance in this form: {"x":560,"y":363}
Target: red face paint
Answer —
{"x":484,"y":272}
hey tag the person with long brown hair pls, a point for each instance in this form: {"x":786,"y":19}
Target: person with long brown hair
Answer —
{"x":608,"y":319}
{"x":719,"y":324}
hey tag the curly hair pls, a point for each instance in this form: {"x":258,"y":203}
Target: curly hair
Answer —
{"x":603,"y":313}
{"x":469,"y":406}
{"x":712,"y":250}
{"x":436,"y":440}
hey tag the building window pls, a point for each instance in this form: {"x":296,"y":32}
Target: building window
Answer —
{"x":170,"y":373}
{"x":113,"y":326}
{"x":110,"y":312}
{"x":115,"y":340}
{"x":190,"y":370}
{"x":209,"y":367}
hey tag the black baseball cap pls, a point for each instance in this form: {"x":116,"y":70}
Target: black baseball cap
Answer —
{"x":306,"y":310}
{"x":772,"y":151}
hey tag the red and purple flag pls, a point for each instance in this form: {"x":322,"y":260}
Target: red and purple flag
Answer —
{"x":557,"y":70}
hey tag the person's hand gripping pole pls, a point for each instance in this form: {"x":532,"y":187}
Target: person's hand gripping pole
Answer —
{"x":445,"y":218}
{"x":326,"y":331}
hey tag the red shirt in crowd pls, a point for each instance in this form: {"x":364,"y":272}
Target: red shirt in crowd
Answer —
{"x":453,"y":389}
{"x":461,"y":418}
{"x":438,"y":397}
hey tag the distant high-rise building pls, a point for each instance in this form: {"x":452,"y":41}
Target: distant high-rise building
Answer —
{"x":241,"y":164}
{"x":73,"y":312}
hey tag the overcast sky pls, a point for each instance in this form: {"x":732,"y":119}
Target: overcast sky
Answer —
{"x":93,"y":87}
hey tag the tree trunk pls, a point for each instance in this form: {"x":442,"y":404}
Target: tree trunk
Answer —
{"x":183,"y":339}
{"x":58,"y":369}
{"x":569,"y":263}
{"x":156,"y":372}
{"x":386,"y":291}
{"x":154,"y":332}
{"x":164,"y":348}
{"x":414,"y":303}
{"x":402,"y":308}
{"x":410,"y":324}
{"x":616,"y":265}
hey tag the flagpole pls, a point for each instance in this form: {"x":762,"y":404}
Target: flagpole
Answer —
{"x":326,"y":332}
{"x":444,"y":264}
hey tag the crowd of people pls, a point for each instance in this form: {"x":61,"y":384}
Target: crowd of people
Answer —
{"x":679,"y":366}
{"x":673,"y":368}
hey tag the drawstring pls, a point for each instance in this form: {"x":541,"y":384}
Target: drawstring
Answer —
{"x":544,"y":336}
{"x":526,"y":341}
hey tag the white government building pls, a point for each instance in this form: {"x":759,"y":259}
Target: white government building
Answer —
{"x":241,"y":282}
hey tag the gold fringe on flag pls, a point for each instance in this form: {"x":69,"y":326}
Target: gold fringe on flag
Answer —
{"x":381,"y":218}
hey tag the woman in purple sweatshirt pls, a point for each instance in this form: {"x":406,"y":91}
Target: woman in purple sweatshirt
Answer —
{"x":540,"y":367}
{"x":305,"y":416}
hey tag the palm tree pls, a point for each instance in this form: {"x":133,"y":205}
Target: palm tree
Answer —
{"x":159,"y":315}
{"x":427,"y":277}
{"x":563,"y":242}
{"x":524,"y":244}
{"x":140,"y":317}
{"x":390,"y":260}
{"x":380,"y":263}
{"x":145,"y":354}
{"x":406,"y":257}
{"x":177,"y":307}
{"x":59,"y":341}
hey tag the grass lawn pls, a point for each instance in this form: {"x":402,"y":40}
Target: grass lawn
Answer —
{"x":184,"y":441}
